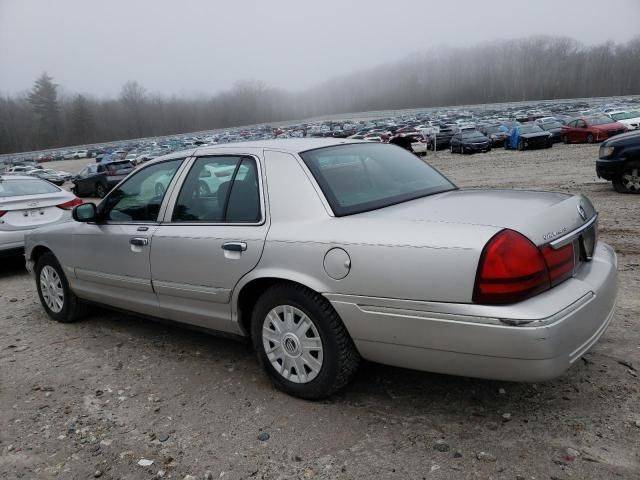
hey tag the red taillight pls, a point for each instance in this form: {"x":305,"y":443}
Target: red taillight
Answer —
{"x":70,"y":204}
{"x":512,"y":268}
{"x":560,"y":263}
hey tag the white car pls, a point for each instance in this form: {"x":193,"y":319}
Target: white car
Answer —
{"x":631,"y":120}
{"x":27,"y":203}
{"x":21,"y":169}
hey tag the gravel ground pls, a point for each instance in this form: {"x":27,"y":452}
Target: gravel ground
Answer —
{"x":114,"y":396}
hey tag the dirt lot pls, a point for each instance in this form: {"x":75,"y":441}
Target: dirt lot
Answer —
{"x":97,"y":397}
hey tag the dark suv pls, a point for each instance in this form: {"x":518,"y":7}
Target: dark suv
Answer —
{"x":620,"y":162}
{"x":98,"y":179}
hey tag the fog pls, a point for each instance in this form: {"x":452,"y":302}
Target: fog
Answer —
{"x":192,"y":47}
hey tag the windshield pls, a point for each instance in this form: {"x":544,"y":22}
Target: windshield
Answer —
{"x":530,"y":129}
{"x":600,"y":120}
{"x":26,"y":186}
{"x":621,"y":116}
{"x":362,"y":177}
{"x":494,"y":129}
{"x":468,"y":135}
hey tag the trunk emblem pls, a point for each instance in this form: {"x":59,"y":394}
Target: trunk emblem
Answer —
{"x":581,"y":212}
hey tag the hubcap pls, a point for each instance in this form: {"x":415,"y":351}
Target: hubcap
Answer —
{"x":292,"y":344}
{"x":51,"y":289}
{"x":631,"y":179}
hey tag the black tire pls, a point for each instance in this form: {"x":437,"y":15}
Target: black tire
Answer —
{"x":72,"y":308}
{"x":565,"y":139}
{"x":620,"y":185}
{"x":451,"y":148}
{"x":520,"y":144}
{"x":340,"y":357}
{"x":590,"y":138}
{"x":101,"y":190}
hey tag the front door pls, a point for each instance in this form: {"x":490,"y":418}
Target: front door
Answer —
{"x":112,"y":255}
{"x":212,"y":236}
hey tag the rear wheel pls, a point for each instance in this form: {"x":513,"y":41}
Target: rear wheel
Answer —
{"x":56,"y":297}
{"x":101,"y":190}
{"x":301,"y":342}
{"x":629,"y":181}
{"x":590,"y":138}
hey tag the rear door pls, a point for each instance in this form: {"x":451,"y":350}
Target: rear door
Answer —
{"x":112,"y":256}
{"x":213,"y":234}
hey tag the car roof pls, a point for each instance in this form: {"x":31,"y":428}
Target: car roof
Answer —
{"x":290,"y":145}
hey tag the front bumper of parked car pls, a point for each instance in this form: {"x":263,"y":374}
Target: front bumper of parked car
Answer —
{"x":534,"y":340}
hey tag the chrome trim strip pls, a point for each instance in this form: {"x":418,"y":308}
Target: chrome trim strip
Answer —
{"x":196,"y":292}
{"x":568,"y":238}
{"x":503,"y":322}
{"x":121,"y":281}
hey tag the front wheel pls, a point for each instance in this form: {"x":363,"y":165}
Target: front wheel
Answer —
{"x":56,"y":297}
{"x":629,"y":181}
{"x":301,"y":342}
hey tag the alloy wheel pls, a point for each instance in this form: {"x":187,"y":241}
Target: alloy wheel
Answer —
{"x":292,"y":344}
{"x":631,"y":180}
{"x":51,"y":288}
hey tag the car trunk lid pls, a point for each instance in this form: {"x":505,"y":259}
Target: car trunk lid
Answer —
{"x":29,"y":212}
{"x":541,"y":216}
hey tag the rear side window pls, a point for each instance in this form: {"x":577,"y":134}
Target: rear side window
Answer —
{"x":30,"y":186}
{"x":220,"y":189}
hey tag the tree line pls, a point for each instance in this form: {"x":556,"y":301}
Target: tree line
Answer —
{"x":528,"y":69}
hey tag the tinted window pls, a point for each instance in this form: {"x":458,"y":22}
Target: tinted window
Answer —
{"x":11,"y":188}
{"x":361,"y":177}
{"x":138,"y":199}
{"x":600,"y":120}
{"x":530,"y":129}
{"x":220,"y":189}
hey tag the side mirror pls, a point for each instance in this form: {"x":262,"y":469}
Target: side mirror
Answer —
{"x":87,"y":212}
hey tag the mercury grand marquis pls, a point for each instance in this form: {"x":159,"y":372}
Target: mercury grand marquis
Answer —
{"x":324,"y":252}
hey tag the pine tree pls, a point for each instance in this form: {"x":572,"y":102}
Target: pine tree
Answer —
{"x":44,"y":101}
{"x":81,"y":124}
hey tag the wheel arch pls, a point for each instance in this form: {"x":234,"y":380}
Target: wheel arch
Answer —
{"x":247,"y":292}
{"x":37,"y":252}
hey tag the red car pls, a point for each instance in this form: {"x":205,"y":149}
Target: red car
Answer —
{"x":590,"y":129}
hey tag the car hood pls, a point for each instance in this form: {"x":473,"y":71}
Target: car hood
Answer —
{"x":628,"y":138}
{"x":541,"y":216}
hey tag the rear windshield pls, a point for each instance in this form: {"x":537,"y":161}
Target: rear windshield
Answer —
{"x":362,"y":177}
{"x":27,"y":186}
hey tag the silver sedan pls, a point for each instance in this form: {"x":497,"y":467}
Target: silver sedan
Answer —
{"x":327,"y":252}
{"x":26,"y":203}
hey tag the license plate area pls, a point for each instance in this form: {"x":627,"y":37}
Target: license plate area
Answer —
{"x":587,"y":242}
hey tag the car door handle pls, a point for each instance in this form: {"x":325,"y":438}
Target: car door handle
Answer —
{"x":234,"y":246}
{"x":139,"y":241}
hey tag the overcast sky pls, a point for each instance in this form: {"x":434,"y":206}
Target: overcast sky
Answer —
{"x":185,"y":47}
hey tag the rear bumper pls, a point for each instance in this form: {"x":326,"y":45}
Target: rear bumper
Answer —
{"x":554,"y":329}
{"x":12,"y":241}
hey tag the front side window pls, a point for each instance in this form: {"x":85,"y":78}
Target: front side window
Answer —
{"x":139,"y":198}
{"x":361,"y":177}
{"x":220,"y":189}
